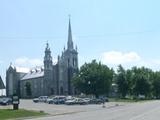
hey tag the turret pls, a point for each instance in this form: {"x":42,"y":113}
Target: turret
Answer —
{"x":47,"y":58}
{"x":48,"y":71}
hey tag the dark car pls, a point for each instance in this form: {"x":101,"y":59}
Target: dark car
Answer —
{"x":0,"y":101}
{"x":6,"y":101}
{"x":105,"y":99}
{"x":96,"y":101}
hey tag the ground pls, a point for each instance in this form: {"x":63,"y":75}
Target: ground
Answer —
{"x":149,"y":110}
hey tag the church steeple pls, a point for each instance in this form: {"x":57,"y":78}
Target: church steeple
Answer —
{"x":70,"y":42}
{"x":47,"y":58}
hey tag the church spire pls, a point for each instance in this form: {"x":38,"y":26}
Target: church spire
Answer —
{"x":70,"y":42}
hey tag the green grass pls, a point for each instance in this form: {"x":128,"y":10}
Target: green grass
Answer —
{"x":6,"y":114}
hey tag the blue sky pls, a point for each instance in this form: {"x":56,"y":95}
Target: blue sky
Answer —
{"x":115,"y":32}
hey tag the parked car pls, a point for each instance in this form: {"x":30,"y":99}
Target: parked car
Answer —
{"x":104,"y":99}
{"x":43,"y":98}
{"x":6,"y":101}
{"x":96,"y":101}
{"x":81,"y":101}
{"x":0,"y":101}
{"x":59,"y":100}
{"x":74,"y":101}
{"x":50,"y":100}
{"x":87,"y":100}
{"x":36,"y":100}
{"x":141,"y":97}
{"x":70,"y":102}
{"x":40,"y":99}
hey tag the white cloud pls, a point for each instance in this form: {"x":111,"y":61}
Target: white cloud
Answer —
{"x":128,"y":60}
{"x":27,"y":62}
{"x":116,"y":57}
{"x":24,"y":61}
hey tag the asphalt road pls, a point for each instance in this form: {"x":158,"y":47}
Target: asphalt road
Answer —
{"x":134,"y":111}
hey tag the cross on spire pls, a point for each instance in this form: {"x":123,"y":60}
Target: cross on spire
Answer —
{"x":69,"y":16}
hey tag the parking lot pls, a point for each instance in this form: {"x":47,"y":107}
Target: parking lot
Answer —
{"x":56,"y":109}
{"x":53,"y":109}
{"x":121,"y":111}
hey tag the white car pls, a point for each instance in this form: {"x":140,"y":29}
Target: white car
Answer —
{"x":70,"y":102}
{"x":40,"y":99}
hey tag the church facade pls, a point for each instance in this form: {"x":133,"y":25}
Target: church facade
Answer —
{"x":50,"y":79}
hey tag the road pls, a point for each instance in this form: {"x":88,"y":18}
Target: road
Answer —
{"x":135,"y":111}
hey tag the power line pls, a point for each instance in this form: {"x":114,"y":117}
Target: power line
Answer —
{"x":82,"y":36}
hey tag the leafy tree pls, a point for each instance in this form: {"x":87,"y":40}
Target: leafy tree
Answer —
{"x":136,"y":81}
{"x":142,"y":86}
{"x":28,"y":89}
{"x":156,"y":85}
{"x":129,"y":79}
{"x":96,"y":78}
{"x":123,"y":85}
{"x":141,"y":81}
{"x":93,"y":78}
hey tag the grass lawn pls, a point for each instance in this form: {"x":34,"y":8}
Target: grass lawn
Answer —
{"x":12,"y":114}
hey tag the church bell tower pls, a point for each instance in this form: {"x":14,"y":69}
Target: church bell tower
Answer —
{"x":48,"y":71}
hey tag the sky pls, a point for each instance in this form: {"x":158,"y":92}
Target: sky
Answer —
{"x":114,"y":32}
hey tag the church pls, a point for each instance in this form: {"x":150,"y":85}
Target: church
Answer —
{"x":49,"y":79}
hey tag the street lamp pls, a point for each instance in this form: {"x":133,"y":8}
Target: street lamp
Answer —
{"x":89,"y":83}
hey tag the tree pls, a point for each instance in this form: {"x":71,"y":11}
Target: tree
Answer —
{"x":156,"y":85}
{"x":93,"y":78}
{"x":121,"y":80}
{"x":142,"y":86}
{"x":141,"y":82}
{"x":129,"y":79}
{"x":28,"y":89}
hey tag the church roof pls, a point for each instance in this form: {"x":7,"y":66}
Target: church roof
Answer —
{"x":19,"y":69}
{"x":1,"y":84}
{"x":34,"y":73}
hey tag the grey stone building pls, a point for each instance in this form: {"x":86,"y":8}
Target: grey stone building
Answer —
{"x":50,"y":79}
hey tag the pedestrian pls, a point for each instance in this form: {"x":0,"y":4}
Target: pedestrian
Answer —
{"x":103,"y":103}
